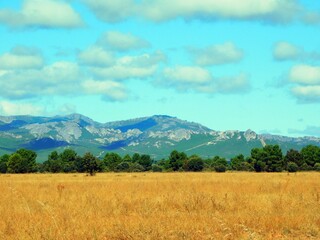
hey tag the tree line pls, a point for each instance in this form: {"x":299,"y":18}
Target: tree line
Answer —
{"x":267,"y":159}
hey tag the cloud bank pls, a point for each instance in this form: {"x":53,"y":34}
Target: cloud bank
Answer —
{"x":21,"y":57}
{"x":42,"y":14}
{"x":58,"y":79}
{"x":270,"y":11}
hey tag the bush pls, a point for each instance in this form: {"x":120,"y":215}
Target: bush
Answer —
{"x":122,"y":167}
{"x":156,"y":168}
{"x":259,"y":166}
{"x":220,"y":168}
{"x":292,"y":167}
{"x":317,"y":167}
{"x":195,"y":164}
{"x":136,"y":167}
{"x":245,"y":166}
{"x":306,"y":167}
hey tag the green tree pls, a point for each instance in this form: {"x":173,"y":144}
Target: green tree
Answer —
{"x":68,"y":155}
{"x":3,"y":163}
{"x":164,"y":164}
{"x":123,"y":167}
{"x":317,"y":167}
{"x":67,"y":161}
{"x":259,"y":166}
{"x":219,"y":161}
{"x":29,"y":163}
{"x":177,"y":159}
{"x":145,"y":161}
{"x":194,"y":164}
{"x":269,"y":158}
{"x":54,"y":163}
{"x":257,"y":158}
{"x":156,"y":168}
{"x":79,"y":164}
{"x":311,"y":155}
{"x":90,"y":163}
{"x":292,"y":167}
{"x":294,"y":156}
{"x":246,"y":166}
{"x":136,"y":167}
{"x":237,"y":163}
{"x":306,"y":167}
{"x":15,"y":164}
{"x":53,"y":156}
{"x":127,"y":158}
{"x":135,"y":157}
{"x":111,"y":160}
{"x":220,"y":168}
{"x":274,"y":160}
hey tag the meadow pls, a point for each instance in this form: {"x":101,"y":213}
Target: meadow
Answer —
{"x":160,"y":206}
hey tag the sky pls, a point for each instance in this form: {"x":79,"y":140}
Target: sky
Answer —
{"x":226,"y":64}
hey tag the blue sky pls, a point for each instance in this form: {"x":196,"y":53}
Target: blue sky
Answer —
{"x":225,"y":64}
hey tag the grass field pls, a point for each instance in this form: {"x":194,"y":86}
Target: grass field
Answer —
{"x":160,"y":206}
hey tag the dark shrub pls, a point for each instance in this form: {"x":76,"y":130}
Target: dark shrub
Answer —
{"x":195,"y":164}
{"x":220,"y":168}
{"x":122,"y":167}
{"x":156,"y":168}
{"x":317,"y":167}
{"x":292,"y":167}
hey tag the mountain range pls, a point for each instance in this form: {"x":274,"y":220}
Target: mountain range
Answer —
{"x":156,"y":135}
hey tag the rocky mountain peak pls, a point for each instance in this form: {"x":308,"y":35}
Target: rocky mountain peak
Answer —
{"x":156,"y":135}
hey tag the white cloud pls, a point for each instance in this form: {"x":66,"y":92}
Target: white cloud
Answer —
{"x":285,"y":51}
{"x":11,"y":108}
{"x":96,"y":56}
{"x":307,"y":92}
{"x":122,"y":41}
{"x":58,"y":78}
{"x":238,"y":83}
{"x":61,"y":72}
{"x":42,"y":13}
{"x":187,"y":75}
{"x":110,"y":89}
{"x":23,"y":74}
{"x":21,"y":58}
{"x":144,"y":60}
{"x":307,"y":82}
{"x":226,"y":85}
{"x":271,"y":10}
{"x":121,"y":72}
{"x":127,"y":67}
{"x":217,"y":54}
{"x":161,"y":10}
{"x":305,"y":74}
{"x":112,"y":11}
{"x":199,"y":79}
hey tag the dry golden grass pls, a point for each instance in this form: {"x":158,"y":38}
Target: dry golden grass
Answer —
{"x":160,"y":206}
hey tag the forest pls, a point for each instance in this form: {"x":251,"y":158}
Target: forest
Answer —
{"x":267,"y":159}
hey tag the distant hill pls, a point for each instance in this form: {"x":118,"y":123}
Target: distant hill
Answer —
{"x":156,"y":135}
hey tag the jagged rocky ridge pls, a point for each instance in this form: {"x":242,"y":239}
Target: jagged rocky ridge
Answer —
{"x":157,"y":135}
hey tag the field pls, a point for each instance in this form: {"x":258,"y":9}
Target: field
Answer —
{"x":160,"y":206}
